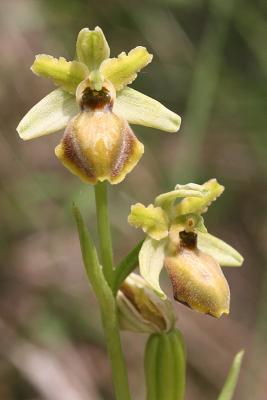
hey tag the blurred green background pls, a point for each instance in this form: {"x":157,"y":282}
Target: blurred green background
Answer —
{"x":210,"y":66}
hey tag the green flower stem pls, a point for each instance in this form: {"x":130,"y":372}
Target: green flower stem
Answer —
{"x":106,"y":253}
{"x":107,"y":304}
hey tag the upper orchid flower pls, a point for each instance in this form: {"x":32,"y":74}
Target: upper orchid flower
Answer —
{"x":178,"y":240}
{"x":94,"y":103}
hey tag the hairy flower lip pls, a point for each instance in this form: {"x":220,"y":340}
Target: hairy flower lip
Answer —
{"x":198,"y":282}
{"x":90,"y":99}
{"x":98,"y":146}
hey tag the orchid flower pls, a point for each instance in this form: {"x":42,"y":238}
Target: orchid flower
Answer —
{"x":94,"y":104}
{"x":178,"y":239}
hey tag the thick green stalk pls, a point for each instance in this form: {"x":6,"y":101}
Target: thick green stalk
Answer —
{"x":105,"y":243}
{"x":108,"y":307}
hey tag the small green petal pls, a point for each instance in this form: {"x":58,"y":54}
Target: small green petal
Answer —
{"x":223,"y":253}
{"x":153,"y":220}
{"x":151,"y":260}
{"x":50,"y":115}
{"x":210,"y":189}
{"x":166,"y":200}
{"x":67,"y":74}
{"x":92,"y":47}
{"x":140,"y":109}
{"x":122,"y":71}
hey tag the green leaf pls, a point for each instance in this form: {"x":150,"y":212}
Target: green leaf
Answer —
{"x":67,"y":74}
{"x":140,"y":109}
{"x":166,"y":200}
{"x":126,"y":266}
{"x":50,"y":115}
{"x":223,"y":253}
{"x":231,"y":380}
{"x":92,"y":47}
{"x":92,"y":266}
{"x":153,"y":220}
{"x":151,"y":260}
{"x":210,"y":190}
{"x":122,"y":71}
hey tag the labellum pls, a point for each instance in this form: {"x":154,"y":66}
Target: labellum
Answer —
{"x":196,"y":277}
{"x":97,"y":144}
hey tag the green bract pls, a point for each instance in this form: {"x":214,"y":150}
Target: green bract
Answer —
{"x":178,"y":239}
{"x":96,"y":83}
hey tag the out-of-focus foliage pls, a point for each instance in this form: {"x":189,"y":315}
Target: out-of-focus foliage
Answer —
{"x":210,"y":67}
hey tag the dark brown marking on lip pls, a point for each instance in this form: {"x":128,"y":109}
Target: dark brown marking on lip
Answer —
{"x":125,"y":151}
{"x":71,"y":153}
{"x":95,"y":99}
{"x":188,"y":239}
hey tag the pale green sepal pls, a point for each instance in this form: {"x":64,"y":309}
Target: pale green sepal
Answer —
{"x":223,"y":253}
{"x":67,"y":74}
{"x":191,"y":190}
{"x":151,"y":260}
{"x":122,"y":71}
{"x":92,"y":47}
{"x":210,"y":189}
{"x":229,"y":387}
{"x":153,"y":220}
{"x":140,"y":109}
{"x":50,"y":115}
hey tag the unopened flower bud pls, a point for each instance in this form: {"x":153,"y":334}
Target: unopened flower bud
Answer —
{"x":97,"y":144}
{"x":196,"y":277}
{"x":141,"y":309}
{"x":165,"y":366}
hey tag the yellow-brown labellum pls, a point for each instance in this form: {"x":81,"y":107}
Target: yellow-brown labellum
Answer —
{"x":97,"y":144}
{"x":197,"y":278}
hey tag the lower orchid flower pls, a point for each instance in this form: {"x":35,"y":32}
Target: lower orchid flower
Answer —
{"x":177,"y":239}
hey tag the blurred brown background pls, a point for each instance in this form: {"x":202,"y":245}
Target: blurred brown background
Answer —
{"x":210,"y":66}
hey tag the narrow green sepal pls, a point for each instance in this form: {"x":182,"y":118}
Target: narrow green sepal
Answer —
{"x":92,"y":47}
